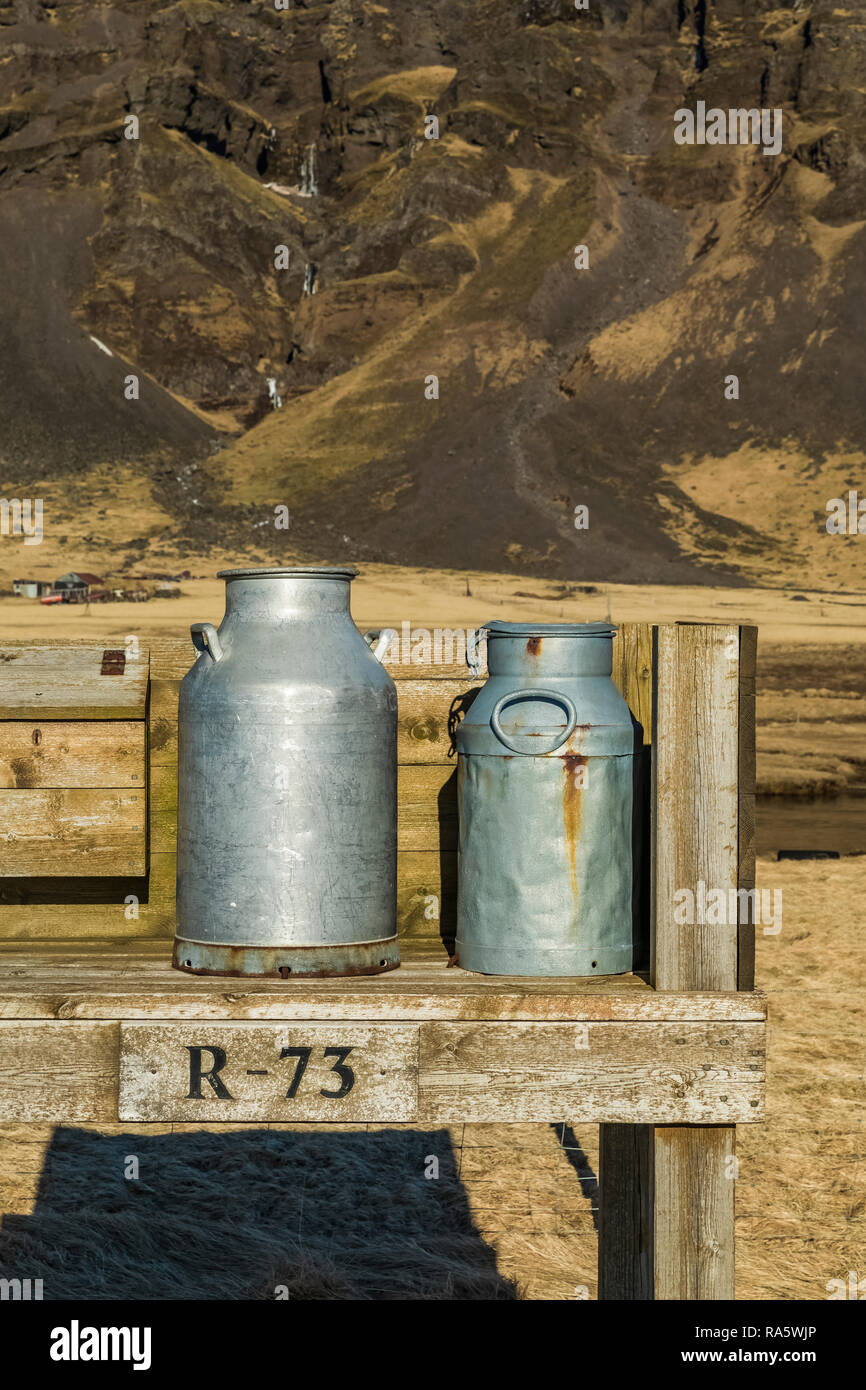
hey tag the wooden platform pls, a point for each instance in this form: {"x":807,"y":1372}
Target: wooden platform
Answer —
{"x":107,"y":1035}
{"x":96,"y":1027}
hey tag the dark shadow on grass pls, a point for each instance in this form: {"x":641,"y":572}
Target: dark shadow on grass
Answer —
{"x":252,"y":1214}
{"x":581,"y":1165}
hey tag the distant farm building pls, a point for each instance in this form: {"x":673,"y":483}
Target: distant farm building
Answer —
{"x":31,"y":588}
{"x":78,"y":587}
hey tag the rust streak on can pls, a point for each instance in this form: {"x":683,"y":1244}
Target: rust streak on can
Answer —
{"x":572,"y":763}
{"x":533,"y":646}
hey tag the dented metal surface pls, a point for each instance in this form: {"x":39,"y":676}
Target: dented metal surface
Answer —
{"x":545,"y":776}
{"x":287,"y":786}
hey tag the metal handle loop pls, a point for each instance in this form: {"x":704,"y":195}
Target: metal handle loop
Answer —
{"x":514,"y":695}
{"x":379,"y":640}
{"x":205,"y":639}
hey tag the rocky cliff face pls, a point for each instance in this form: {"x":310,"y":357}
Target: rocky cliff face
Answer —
{"x":280,"y":230}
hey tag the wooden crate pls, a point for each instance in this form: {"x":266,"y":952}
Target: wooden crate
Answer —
{"x":73,"y":764}
{"x":96,"y":1026}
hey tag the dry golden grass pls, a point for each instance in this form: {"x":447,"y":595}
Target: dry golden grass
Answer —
{"x":426,"y":597}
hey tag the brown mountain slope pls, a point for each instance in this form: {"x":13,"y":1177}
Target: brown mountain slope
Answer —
{"x":410,"y":257}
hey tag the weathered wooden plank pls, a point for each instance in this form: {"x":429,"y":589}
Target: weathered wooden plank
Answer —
{"x":632,"y":671}
{"x":72,"y":832}
{"x":67,"y":682}
{"x":595,"y":1073}
{"x":58,"y":753}
{"x":90,"y":909}
{"x":65,"y":1072}
{"x":493,"y":1072}
{"x":625,"y":1151}
{"x":163,"y":788}
{"x":137,"y":981}
{"x":416,"y":1000}
{"x":427,"y":893}
{"x":626,"y":1215}
{"x":171,"y":658}
{"x":695,"y":826}
{"x":427,"y":715}
{"x":666,"y":1227}
{"x":699,"y":674}
{"x":694,"y":1173}
{"x":249,"y":1071}
{"x":162,"y":722}
{"x":427,"y":807}
{"x":746,"y":783}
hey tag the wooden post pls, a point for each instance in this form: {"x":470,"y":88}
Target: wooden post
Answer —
{"x":667,"y":1192}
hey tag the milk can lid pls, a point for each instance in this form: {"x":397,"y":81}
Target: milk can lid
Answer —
{"x":529,"y":629}
{"x":292,"y":572}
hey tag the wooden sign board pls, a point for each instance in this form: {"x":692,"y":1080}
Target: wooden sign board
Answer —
{"x":269,"y":1072}
{"x":356,"y":1072}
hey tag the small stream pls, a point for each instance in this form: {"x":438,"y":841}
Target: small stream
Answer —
{"x":811,"y":823}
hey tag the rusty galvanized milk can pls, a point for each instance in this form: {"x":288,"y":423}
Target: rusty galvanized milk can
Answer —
{"x":287,"y":785}
{"x":545,"y":771}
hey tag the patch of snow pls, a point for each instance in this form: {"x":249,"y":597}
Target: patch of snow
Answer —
{"x":100,"y":345}
{"x":309,"y":186}
{"x":288,"y":190}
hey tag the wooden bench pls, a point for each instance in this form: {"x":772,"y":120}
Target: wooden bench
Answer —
{"x":96,"y":1027}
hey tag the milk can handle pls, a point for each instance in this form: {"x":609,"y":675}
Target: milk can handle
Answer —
{"x":205,"y":639}
{"x":536,"y":694}
{"x":380,"y":641}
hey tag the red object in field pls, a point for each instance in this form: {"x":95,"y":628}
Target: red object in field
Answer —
{"x":52,"y":598}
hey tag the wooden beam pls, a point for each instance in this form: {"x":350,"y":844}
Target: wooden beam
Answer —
{"x":66,"y":1073}
{"x":695,"y":810}
{"x":433,"y":1071}
{"x":625,"y":1214}
{"x":693,"y":1204}
{"x":746,"y":785}
{"x":72,"y":832}
{"x":98,"y":980}
{"x":83,"y":909}
{"x":667,"y":1193}
{"x":72,"y":682}
{"x":596,"y":1073}
{"x":61,"y":753}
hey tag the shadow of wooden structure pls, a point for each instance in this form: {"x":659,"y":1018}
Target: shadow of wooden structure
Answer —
{"x":96,"y":1026}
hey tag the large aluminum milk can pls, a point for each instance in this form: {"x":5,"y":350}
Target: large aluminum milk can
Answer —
{"x":545,"y":770}
{"x":287,"y":785}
